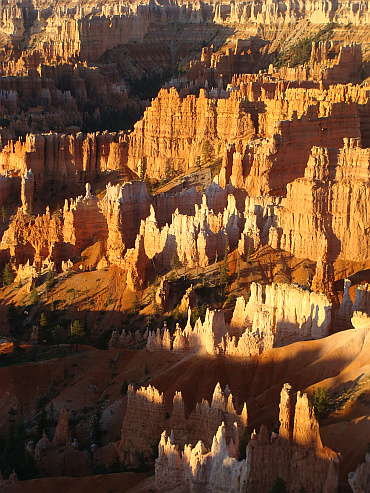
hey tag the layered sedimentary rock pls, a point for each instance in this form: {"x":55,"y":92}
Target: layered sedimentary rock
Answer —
{"x":274,"y":316}
{"x":262,"y":128}
{"x":330,"y":63}
{"x":294,"y":313}
{"x":64,"y":158}
{"x":325,"y":213}
{"x":195,"y":240}
{"x":186,"y":123}
{"x":31,"y":239}
{"x":147,"y":406}
{"x":218,"y":469}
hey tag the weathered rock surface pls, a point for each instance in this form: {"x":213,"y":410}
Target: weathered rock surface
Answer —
{"x":62,"y":435}
{"x":218,"y":470}
{"x":146,"y":418}
{"x":360,"y":479}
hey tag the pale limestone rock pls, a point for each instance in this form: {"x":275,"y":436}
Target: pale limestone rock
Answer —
{"x":202,"y":423}
{"x":306,"y":428}
{"x":27,"y":189}
{"x":67,"y":265}
{"x":285,"y":414}
{"x":289,"y":314}
{"x":360,"y":320}
{"x":162,"y":293}
{"x":35,"y":335}
{"x":217,"y":469}
{"x":62,"y":434}
{"x":42,"y":446}
{"x":188,"y":300}
{"x":359,"y":480}
{"x":136,"y":262}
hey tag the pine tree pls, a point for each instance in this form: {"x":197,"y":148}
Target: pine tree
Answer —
{"x":34,"y":297}
{"x":155,"y":304}
{"x":135,"y":304}
{"x":43,"y":323}
{"x":321,"y":403}
{"x":57,"y":334}
{"x":50,"y":281}
{"x":279,"y":486}
{"x":7,"y":275}
{"x":77,"y":332}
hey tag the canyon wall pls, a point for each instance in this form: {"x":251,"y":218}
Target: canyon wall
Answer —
{"x":200,"y":468}
{"x":64,"y":159}
{"x":146,"y":418}
{"x":275,"y":315}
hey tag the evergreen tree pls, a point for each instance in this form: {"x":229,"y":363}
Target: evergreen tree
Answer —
{"x":175,"y":262}
{"x":279,"y":486}
{"x":77,"y":332}
{"x":7,"y":275}
{"x":34,"y":297}
{"x":50,"y":280}
{"x":43,"y":323}
{"x":57,"y":334}
{"x":155,"y":304}
{"x":321,"y":403}
{"x":135,"y":304}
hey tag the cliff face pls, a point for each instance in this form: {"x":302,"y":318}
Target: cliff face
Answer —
{"x":275,"y":316}
{"x":265,"y":128}
{"x":147,"y":406}
{"x":329,"y":204}
{"x":173,"y":131}
{"x":294,"y":314}
{"x":218,"y":469}
{"x":64,"y":158}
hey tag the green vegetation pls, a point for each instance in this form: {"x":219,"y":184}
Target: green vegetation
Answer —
{"x":300,"y":53}
{"x":124,"y":387}
{"x":7,"y":275}
{"x":78,"y":332}
{"x":14,"y":457}
{"x":279,"y":486}
{"x":135,"y":305}
{"x":50,"y":280}
{"x":321,"y":403}
{"x":34,"y":297}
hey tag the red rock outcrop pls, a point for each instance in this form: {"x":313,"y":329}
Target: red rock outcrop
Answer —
{"x":147,"y":405}
{"x":62,"y":435}
{"x":64,"y":158}
{"x":291,"y":313}
{"x":173,"y":131}
{"x":326,"y":206}
{"x":275,"y":315}
{"x":218,"y":470}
